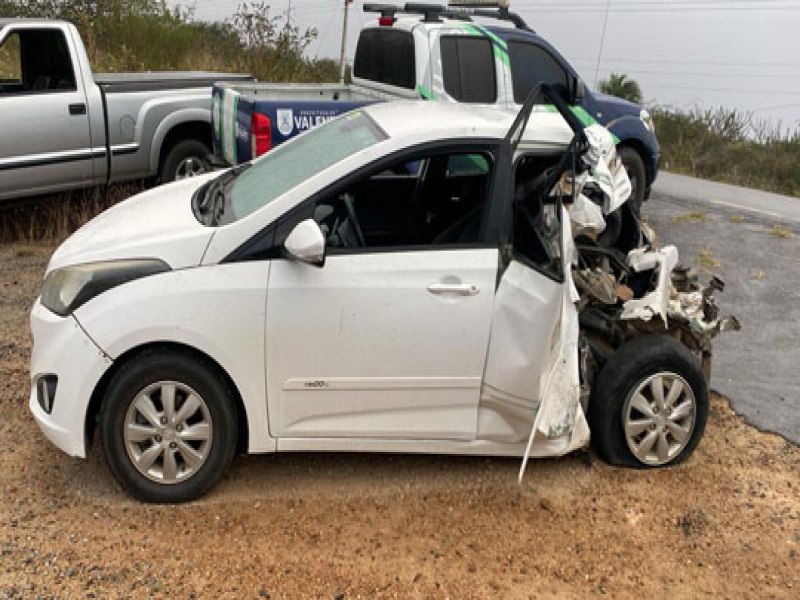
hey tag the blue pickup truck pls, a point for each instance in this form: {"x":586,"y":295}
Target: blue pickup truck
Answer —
{"x":432,"y":53}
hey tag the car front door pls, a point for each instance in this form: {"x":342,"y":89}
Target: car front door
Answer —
{"x":389,"y":338}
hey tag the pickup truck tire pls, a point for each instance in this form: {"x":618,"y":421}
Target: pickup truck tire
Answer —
{"x":634,"y":165}
{"x":185,"y":159}
{"x":169,"y":426}
{"x":649,"y":405}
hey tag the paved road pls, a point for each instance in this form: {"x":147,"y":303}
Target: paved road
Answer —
{"x":758,"y":368}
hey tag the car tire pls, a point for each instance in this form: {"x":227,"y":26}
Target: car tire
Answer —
{"x":187,"y":158}
{"x":634,"y":165}
{"x":631,"y":424}
{"x":168,"y":425}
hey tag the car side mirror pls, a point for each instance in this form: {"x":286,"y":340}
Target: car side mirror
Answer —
{"x":306,"y":243}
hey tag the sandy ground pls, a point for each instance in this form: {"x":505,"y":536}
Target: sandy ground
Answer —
{"x":725,"y":524}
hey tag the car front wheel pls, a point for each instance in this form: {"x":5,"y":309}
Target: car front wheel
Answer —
{"x":168,"y":426}
{"x":634,"y":165}
{"x":649,"y":405}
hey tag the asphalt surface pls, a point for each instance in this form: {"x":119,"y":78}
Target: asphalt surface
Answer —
{"x":755,"y":239}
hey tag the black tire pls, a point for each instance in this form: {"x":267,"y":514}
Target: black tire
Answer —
{"x":634,"y":165}
{"x":174,"y":162}
{"x":634,"y":363}
{"x":151,"y":369}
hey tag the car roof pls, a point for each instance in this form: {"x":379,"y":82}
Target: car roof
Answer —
{"x":432,"y":121}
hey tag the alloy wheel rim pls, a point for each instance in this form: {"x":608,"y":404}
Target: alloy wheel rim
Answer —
{"x":189,"y":167}
{"x":658,"y":418}
{"x":168,"y":432}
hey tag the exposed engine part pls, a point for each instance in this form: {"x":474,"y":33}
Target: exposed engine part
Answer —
{"x":710,"y":309}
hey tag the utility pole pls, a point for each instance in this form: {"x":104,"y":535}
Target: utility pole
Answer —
{"x":342,"y":63}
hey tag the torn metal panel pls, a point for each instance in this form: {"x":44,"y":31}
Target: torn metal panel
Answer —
{"x":656,"y":302}
{"x":525,"y":330}
{"x":606,"y":168}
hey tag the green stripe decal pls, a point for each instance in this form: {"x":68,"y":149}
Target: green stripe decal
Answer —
{"x":499,"y":47}
{"x":584,"y":117}
{"x":425,"y":93}
{"x":501,"y":55}
{"x":492,"y":37}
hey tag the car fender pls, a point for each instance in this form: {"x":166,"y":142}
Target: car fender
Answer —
{"x":228,"y":327}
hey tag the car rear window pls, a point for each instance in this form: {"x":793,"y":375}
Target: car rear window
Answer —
{"x":468,"y":69}
{"x":386,"y":56}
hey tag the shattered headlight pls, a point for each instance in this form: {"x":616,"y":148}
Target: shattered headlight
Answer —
{"x":647,"y":120}
{"x":66,"y":289}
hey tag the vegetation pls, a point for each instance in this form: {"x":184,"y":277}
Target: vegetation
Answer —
{"x":621,"y":86}
{"x":729,"y":146}
{"x":135,"y":35}
{"x":138,"y":35}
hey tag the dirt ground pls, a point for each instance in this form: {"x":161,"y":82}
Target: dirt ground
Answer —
{"x":725,"y":524}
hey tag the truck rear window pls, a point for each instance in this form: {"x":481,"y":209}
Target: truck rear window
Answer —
{"x":468,"y":69}
{"x":386,"y":56}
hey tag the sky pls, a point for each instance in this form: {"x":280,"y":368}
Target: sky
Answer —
{"x":742,"y":54}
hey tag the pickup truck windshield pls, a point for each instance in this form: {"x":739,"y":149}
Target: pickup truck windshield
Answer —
{"x":292,"y":163}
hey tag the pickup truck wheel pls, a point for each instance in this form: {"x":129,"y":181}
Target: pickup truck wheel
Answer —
{"x":185,"y":159}
{"x":649,"y":405}
{"x":634,"y":165}
{"x":168,"y":427}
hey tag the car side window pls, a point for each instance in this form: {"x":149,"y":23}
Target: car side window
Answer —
{"x":36,"y":61}
{"x":430,"y":201}
{"x":530,"y":65}
{"x":468,"y":69}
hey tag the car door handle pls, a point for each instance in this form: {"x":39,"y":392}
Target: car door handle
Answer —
{"x":77,"y":109}
{"x":459,"y":289}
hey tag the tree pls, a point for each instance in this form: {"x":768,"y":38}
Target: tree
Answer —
{"x":621,"y":86}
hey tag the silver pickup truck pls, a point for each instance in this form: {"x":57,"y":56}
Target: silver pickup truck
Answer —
{"x":64,"y":127}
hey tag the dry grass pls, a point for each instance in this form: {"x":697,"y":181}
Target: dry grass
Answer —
{"x":696,"y":216}
{"x":707,"y":261}
{"x":54,"y":218}
{"x":781,"y":231}
{"x":736,"y":219}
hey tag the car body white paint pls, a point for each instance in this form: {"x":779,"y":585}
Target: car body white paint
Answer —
{"x":399,"y":339}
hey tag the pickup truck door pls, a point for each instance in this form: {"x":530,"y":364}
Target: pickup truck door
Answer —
{"x":46,"y":142}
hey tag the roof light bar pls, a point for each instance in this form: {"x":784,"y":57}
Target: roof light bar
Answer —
{"x":457,"y":9}
{"x":478,"y":3}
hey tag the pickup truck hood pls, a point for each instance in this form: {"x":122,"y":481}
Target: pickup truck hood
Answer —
{"x":158,"y":223}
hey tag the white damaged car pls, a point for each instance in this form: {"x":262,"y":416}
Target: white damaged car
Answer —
{"x":410,"y":277}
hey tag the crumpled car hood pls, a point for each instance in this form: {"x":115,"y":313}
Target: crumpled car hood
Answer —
{"x":158,"y":223}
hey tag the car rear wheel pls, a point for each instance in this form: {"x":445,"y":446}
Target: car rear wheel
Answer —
{"x":649,"y":405}
{"x":168,"y":427}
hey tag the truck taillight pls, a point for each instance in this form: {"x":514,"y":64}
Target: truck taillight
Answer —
{"x":386,"y":21}
{"x":260,"y":134}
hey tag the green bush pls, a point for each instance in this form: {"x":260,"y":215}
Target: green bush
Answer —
{"x":728,"y":145}
{"x":137,"y":35}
